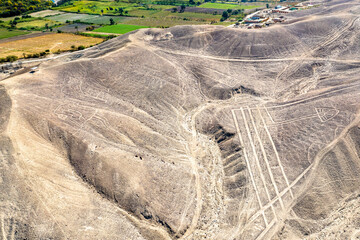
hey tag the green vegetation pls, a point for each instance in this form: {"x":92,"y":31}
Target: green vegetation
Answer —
{"x":106,"y":19}
{"x":97,"y":7}
{"x":38,"y":24}
{"x":10,"y":8}
{"x":10,"y":58}
{"x":120,"y":28}
{"x":6,"y":33}
{"x":104,"y":36}
{"x":26,"y":22}
{"x":228,"y":13}
{"x":227,"y":6}
{"x":161,"y":13}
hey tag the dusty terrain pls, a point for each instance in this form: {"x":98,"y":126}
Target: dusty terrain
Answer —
{"x":191,"y":132}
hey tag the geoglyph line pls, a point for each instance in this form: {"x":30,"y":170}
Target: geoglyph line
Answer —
{"x":299,"y":101}
{"x":248,"y":166}
{"x":276,"y":152}
{"x":282,"y":193}
{"x":264,"y":232}
{"x":267,"y":112}
{"x":266,"y":159}
{"x":257,"y":159}
{"x":3,"y":232}
{"x":279,"y":195}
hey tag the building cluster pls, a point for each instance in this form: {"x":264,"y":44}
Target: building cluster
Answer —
{"x":266,"y":17}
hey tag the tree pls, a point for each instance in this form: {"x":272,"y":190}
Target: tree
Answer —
{"x":102,"y":11}
{"x":13,"y":23}
{"x":47,"y":26}
{"x":267,"y":5}
{"x":182,"y":8}
{"x":191,"y":2}
{"x":121,"y":11}
{"x":225,"y":15}
{"x":174,"y":9}
{"x":112,"y":22}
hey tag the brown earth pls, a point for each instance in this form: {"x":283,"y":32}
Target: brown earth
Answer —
{"x":191,"y":132}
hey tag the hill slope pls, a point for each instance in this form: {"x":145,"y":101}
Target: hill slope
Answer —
{"x":196,"y":132}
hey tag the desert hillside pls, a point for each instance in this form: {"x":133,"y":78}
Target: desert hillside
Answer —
{"x":190,"y":132}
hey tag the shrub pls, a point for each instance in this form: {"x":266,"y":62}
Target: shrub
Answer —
{"x":81,"y":47}
{"x":11,"y":58}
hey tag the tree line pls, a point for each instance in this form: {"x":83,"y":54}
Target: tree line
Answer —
{"x":9,"y":8}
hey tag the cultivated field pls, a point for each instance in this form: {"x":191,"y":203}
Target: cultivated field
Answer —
{"x":86,"y":18}
{"x":6,"y":33}
{"x":226,"y":6}
{"x":159,"y":23}
{"x":73,"y":28}
{"x":45,"y":13}
{"x":37,"y":24}
{"x":120,"y":28}
{"x":95,"y":7}
{"x":147,"y":14}
{"x":169,"y":19}
{"x":53,"y":42}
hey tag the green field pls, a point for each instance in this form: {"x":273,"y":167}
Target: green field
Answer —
{"x":143,"y":13}
{"x":36,"y":24}
{"x":5,"y":33}
{"x":95,"y":7}
{"x":112,"y":8}
{"x":227,"y":6}
{"x":86,"y":18}
{"x":120,"y":28}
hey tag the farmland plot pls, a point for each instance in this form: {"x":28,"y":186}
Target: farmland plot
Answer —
{"x":120,"y":28}
{"x":87,"y":18}
{"x":53,"y":42}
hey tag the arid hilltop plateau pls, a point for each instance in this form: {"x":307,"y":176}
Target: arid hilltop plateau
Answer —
{"x":190,"y":132}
